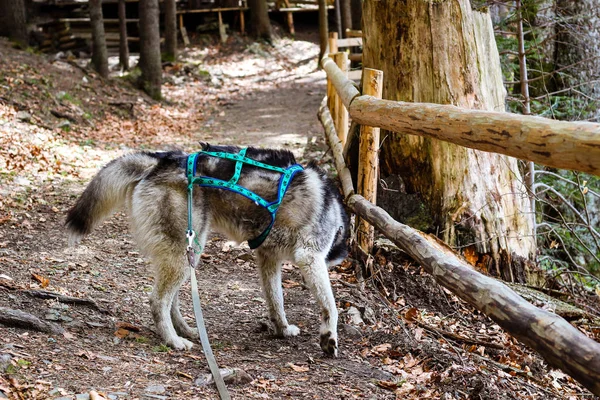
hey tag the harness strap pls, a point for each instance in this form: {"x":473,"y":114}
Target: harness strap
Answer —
{"x":231,"y":185}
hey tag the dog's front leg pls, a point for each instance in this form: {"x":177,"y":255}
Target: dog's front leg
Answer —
{"x":270,"y":274}
{"x":314,"y":270}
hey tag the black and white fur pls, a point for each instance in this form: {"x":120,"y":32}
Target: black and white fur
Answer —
{"x":310,"y":230}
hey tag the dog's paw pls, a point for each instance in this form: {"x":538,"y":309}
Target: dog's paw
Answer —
{"x":190,"y":333}
{"x":180,"y":343}
{"x":290,"y":331}
{"x":329,"y":344}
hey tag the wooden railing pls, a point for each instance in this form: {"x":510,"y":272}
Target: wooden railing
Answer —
{"x":569,"y":145}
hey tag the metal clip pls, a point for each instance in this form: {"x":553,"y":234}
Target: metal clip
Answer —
{"x":190,"y":234}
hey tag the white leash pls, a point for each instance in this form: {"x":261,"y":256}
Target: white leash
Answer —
{"x":210,"y":357}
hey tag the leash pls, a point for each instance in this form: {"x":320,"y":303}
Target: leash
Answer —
{"x":204,"y":181}
{"x":191,"y":255}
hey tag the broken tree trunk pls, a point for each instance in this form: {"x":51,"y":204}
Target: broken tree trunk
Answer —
{"x":444,"y":52}
{"x":561,"y":344}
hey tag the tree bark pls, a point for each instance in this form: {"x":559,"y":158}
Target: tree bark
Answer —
{"x":123,"y":42}
{"x":99,"y":51}
{"x":445,"y":53}
{"x":150,"y":63}
{"x":561,"y":344}
{"x":170,"y":30}
{"x":259,"y":20}
{"x":13,"y":21}
{"x":323,"y":28}
{"x":346,"y":9}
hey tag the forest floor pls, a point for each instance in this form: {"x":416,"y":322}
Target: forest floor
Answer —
{"x":403,"y":336}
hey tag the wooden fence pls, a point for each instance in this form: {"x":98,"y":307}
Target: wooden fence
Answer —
{"x":568,"y":145}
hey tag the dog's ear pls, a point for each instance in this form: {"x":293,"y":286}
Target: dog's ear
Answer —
{"x":204,"y":145}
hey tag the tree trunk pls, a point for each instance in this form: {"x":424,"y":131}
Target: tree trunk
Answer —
{"x":99,"y":51}
{"x":259,"y":19}
{"x":123,"y":43}
{"x":13,"y":21}
{"x":150,"y":64}
{"x":170,"y":30}
{"x":338,"y":18}
{"x":346,"y":9}
{"x":356,"y":14}
{"x":445,"y":53}
{"x":577,"y":45}
{"x":323,"y":28}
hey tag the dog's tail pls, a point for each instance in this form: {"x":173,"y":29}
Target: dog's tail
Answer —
{"x":107,"y":192}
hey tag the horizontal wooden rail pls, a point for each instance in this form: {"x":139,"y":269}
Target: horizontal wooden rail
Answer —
{"x":560,"y":343}
{"x":346,"y":88}
{"x":558,"y":144}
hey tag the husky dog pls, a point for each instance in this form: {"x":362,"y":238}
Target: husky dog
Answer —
{"x":310,"y":230}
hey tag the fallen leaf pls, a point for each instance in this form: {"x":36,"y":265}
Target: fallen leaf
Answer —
{"x":41,"y":279}
{"x":418,"y":334}
{"x":121,"y":333}
{"x":298,"y":368}
{"x":288,"y":283}
{"x":411,"y":314}
{"x":127,"y":326}
{"x":389,"y":385}
{"x":381,"y":348}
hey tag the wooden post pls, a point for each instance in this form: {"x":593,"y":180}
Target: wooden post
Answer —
{"x":242,"y":23}
{"x":184,"y":36}
{"x":341,"y":113}
{"x":368,"y":163}
{"x":222,"y":31}
{"x":331,"y":94}
{"x":333,"y":47}
{"x":290,"y":22}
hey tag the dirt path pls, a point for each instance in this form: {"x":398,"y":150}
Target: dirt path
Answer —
{"x":244,"y":94}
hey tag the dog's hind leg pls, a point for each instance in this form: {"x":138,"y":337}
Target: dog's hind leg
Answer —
{"x":314,"y":270}
{"x":170,"y":274}
{"x":181,"y":326}
{"x":270,"y":274}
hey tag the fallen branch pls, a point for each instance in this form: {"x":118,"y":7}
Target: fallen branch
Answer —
{"x":459,"y":338}
{"x":60,"y":114}
{"x":47,"y":295}
{"x":44,"y":294}
{"x":21,"y":319}
{"x":561,"y":344}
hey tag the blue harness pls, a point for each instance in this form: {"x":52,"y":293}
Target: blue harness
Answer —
{"x":240,"y":158}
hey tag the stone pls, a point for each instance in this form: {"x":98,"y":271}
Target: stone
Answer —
{"x":156,"y":389}
{"x":4,"y":362}
{"x":23,"y":116}
{"x":245,"y":257}
{"x":118,"y":395}
{"x":355,"y":317}
{"x":82,"y":396}
{"x":351,"y":331}
{"x":231,"y":376}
